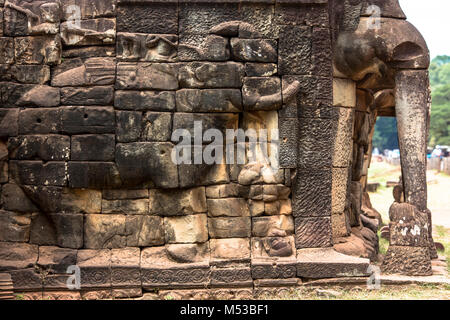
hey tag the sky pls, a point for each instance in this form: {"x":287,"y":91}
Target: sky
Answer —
{"x":432,"y":19}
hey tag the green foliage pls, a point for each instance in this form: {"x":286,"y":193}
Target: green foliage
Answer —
{"x":440,"y":111}
{"x":385,"y":136}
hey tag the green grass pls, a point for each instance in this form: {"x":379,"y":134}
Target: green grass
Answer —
{"x":442,"y":235}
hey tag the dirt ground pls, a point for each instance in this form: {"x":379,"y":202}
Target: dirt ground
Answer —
{"x":438,"y":192}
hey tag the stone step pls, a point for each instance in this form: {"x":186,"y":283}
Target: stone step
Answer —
{"x":6,"y":287}
{"x":319,"y":263}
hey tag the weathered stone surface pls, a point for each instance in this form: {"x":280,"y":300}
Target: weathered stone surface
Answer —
{"x":14,"y":199}
{"x":315,"y":95}
{"x":129,"y":126}
{"x":93,"y":148}
{"x":253,"y":69}
{"x":327,"y":263}
{"x":178,"y":202}
{"x":125,"y":206}
{"x":147,"y":162}
{"x":219,"y":121}
{"x":273,"y":248}
{"x":232,"y":190}
{"x":37,"y":50}
{"x":124,"y":194}
{"x":14,"y":256}
{"x":125,"y":267}
{"x":7,"y":51}
{"x":291,"y":14}
{"x":9,"y":122}
{"x":186,"y":229}
{"x":69,"y":230}
{"x":231,"y":207}
{"x":231,"y":277}
{"x":175,"y":266}
{"x":26,"y":74}
{"x":313,"y":232}
{"x":39,"y":173}
{"x":148,"y":18}
{"x":89,"y":52}
{"x":147,"y":47}
{"x":14,"y":227}
{"x":40,"y":121}
{"x":343,"y":145}
{"x":202,"y":175}
{"x":261,"y":93}
{"x":211,"y":75}
{"x":235,"y":227}
{"x":340,"y":225}
{"x":209,"y":100}
{"x":339,"y":189}
{"x":294,"y":50}
{"x":92,"y":175}
{"x":316,"y":143}
{"x":87,"y":96}
{"x":418,"y":261}
{"x":203,"y":47}
{"x":157,"y":126}
{"x":344,"y":93}
{"x":229,"y":250}
{"x":55,"y":259}
{"x":105,"y":231}
{"x":88,"y":9}
{"x":321,"y":52}
{"x":47,"y":148}
{"x":95,"y":268}
{"x":82,"y":120}
{"x":145,"y":231}
{"x":93,"y":71}
{"x":42,"y":230}
{"x":289,"y":134}
{"x":256,"y":50}
{"x":273,"y":226}
{"x":141,"y":75}
{"x":312,"y":193}
{"x":145,"y":100}
{"x":81,"y":201}
{"x":89,"y":32}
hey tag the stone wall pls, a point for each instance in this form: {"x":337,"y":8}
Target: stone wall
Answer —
{"x":88,"y":108}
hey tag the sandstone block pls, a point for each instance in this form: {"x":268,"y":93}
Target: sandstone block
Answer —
{"x":327,"y":263}
{"x":145,"y":100}
{"x":142,"y":75}
{"x":178,"y":202}
{"x":90,"y":32}
{"x":253,"y":69}
{"x":256,"y":50}
{"x":93,"y":175}
{"x":93,"y":148}
{"x":125,"y":206}
{"x":87,"y":96}
{"x":157,"y":126}
{"x":229,"y":250}
{"x":147,"y":47}
{"x":234,"y":227}
{"x":14,"y":256}
{"x":129,"y":126}
{"x":55,"y":259}
{"x":104,"y":231}
{"x":412,"y":261}
{"x":81,"y":201}
{"x":231,"y":207}
{"x":186,"y":229}
{"x":273,"y":226}
{"x":83,"y":120}
{"x":125,"y":267}
{"x":159,"y":18}
{"x":209,"y":100}
{"x":211,"y":75}
{"x":47,"y":148}
{"x":14,"y":227}
{"x":95,"y":268}
{"x":37,"y":50}
{"x":313,"y":232}
{"x":256,"y":91}
{"x":144,"y":231}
